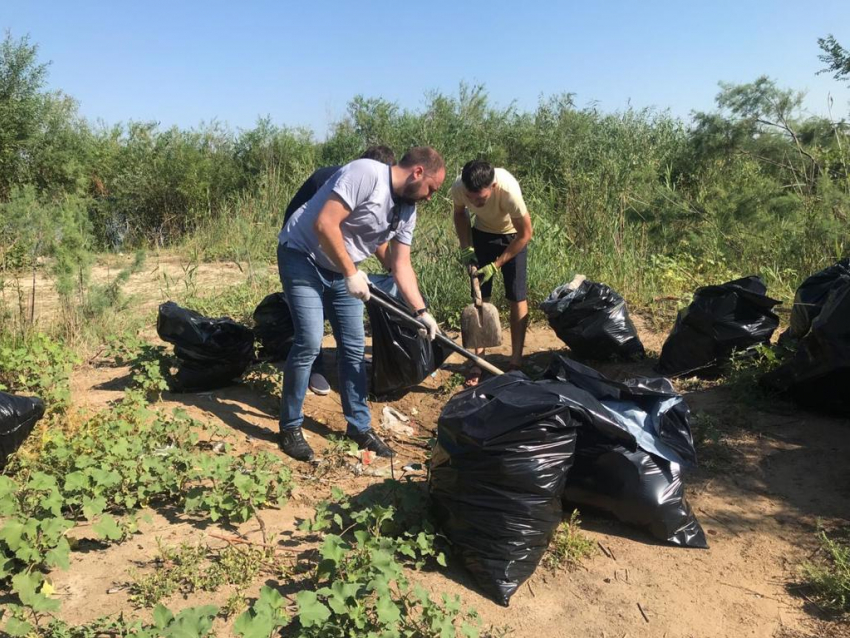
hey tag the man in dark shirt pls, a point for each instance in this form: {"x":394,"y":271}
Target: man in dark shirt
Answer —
{"x":318,"y":383}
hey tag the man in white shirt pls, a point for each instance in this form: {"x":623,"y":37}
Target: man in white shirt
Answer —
{"x":363,"y":206}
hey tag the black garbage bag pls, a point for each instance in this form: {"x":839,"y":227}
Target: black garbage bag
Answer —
{"x":732,"y":316}
{"x":650,"y":409}
{"x":817,"y":375}
{"x":18,"y":416}
{"x":401,"y":358}
{"x":211,"y":353}
{"x":273,"y":328}
{"x":635,"y":487}
{"x":497,"y":474}
{"x":593,"y":321}
{"x":202,"y":376}
{"x":810,"y":299}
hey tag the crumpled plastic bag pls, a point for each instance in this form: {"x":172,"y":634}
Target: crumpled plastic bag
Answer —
{"x":401,"y":359}
{"x":212,"y":353}
{"x":497,"y":474}
{"x":633,"y":486}
{"x":649,"y":409}
{"x":810,"y":298}
{"x":273,"y":328}
{"x":18,"y":416}
{"x":732,"y":316}
{"x":593,"y":321}
{"x":817,"y":375}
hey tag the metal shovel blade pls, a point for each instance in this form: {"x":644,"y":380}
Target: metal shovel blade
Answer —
{"x":479,"y":322}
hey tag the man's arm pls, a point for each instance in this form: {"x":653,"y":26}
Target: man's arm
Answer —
{"x":382,"y":252}
{"x":405,"y":277}
{"x":461,"y":217}
{"x":523,"y":236}
{"x":327,"y":228}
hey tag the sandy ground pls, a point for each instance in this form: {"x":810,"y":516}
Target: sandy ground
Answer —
{"x":764,"y":483}
{"x":759,"y":494}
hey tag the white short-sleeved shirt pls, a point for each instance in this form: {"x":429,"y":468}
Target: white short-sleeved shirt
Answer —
{"x":366,"y":188}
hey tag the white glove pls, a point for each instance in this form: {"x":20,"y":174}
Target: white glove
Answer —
{"x":430,"y":329}
{"x":358,"y":285}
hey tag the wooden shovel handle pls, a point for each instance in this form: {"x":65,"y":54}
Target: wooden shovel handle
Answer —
{"x":476,"y":286}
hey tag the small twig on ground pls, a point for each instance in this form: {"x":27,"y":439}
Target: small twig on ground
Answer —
{"x":528,"y":582}
{"x":643,"y":613}
{"x":605,"y":550}
{"x":236,"y":540}
{"x":750,"y":591}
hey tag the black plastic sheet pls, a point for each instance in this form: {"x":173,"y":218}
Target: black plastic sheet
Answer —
{"x":18,"y":416}
{"x":635,"y":487}
{"x":650,"y":409}
{"x":497,"y":474}
{"x":732,"y":316}
{"x":211,"y":353}
{"x":273,"y":328}
{"x":817,"y":375}
{"x":593,"y":321}
{"x":810,"y":298}
{"x":401,"y":359}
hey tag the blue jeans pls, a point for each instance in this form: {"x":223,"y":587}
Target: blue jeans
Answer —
{"x":313,"y":293}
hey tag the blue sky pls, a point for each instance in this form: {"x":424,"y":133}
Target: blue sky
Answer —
{"x":301,"y":62}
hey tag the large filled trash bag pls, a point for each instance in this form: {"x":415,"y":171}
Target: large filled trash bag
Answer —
{"x":810,"y":298}
{"x":273,"y":328}
{"x":18,"y":416}
{"x":498,"y":471}
{"x":633,"y":486}
{"x":593,"y":321}
{"x":732,"y":316}
{"x":649,"y":409}
{"x":817,"y":375}
{"x":401,"y":359}
{"x":637,"y":482}
{"x":211,"y":353}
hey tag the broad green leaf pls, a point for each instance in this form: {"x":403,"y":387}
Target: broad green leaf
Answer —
{"x":76,"y":481}
{"x":15,"y":627}
{"x":59,"y":556}
{"x":333,"y":548}
{"x":93,"y":507}
{"x":107,"y":528}
{"x":12,"y":533}
{"x":388,"y":612}
{"x":193,"y":622}
{"x":311,"y":612}
{"x":162,"y":616}
{"x":271,"y":597}
{"x":27,"y":587}
{"x":254,"y":625}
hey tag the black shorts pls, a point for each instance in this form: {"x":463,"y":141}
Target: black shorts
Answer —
{"x":488,"y":247}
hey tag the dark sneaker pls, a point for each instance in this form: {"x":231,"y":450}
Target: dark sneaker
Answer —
{"x":368,"y":440}
{"x":319,"y":385}
{"x":293,"y":444}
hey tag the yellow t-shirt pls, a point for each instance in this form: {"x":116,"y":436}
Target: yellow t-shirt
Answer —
{"x":505,"y":202}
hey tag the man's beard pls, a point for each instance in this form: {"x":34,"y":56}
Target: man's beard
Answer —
{"x":408,"y":195}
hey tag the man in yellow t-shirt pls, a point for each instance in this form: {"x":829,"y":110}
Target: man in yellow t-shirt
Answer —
{"x":496,"y":240}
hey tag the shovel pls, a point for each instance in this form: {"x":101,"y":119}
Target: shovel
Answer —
{"x":479,"y":321}
{"x":412,"y":321}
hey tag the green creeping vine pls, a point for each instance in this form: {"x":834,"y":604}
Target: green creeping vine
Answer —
{"x":107,"y":468}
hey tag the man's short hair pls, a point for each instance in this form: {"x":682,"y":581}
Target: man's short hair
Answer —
{"x":383,"y":154}
{"x":477,"y":174}
{"x":423,"y":156}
